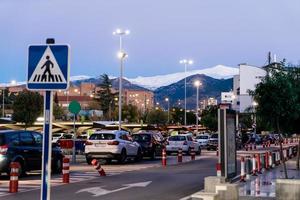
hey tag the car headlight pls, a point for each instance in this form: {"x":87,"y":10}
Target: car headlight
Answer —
{"x":2,"y":158}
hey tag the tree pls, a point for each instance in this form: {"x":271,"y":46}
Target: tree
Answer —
{"x":157,"y":117}
{"x":278,"y":99}
{"x":130,"y":113}
{"x":104,"y":96}
{"x":209,"y":118}
{"x":27,"y":107}
{"x":58,"y":111}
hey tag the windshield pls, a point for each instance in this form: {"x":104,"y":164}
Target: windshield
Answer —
{"x":177,"y":138}
{"x":56,"y":135}
{"x":102,"y":136}
{"x":202,"y":137}
{"x":141,"y":137}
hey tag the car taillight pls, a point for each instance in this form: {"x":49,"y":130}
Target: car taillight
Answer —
{"x":3,"y":149}
{"x":88,"y":143}
{"x":185,"y":143}
{"x":113,"y":143}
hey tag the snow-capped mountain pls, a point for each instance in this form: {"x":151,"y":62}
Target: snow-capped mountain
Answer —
{"x":154,"y":82}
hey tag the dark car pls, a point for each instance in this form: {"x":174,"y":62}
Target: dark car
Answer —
{"x":213,"y":142}
{"x":152,"y":143}
{"x":25,"y":147}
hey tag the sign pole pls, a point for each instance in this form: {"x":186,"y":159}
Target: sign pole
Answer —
{"x":74,"y":140}
{"x":47,"y":146}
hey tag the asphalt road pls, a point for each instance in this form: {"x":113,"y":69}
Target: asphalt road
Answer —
{"x":156,"y":183}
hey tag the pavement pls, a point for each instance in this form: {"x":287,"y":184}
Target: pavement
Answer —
{"x":143,"y":180}
{"x":263,"y":185}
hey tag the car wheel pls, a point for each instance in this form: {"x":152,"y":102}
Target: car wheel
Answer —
{"x":57,"y":168}
{"x":123,"y":156}
{"x":89,"y":160}
{"x":139,"y":155}
{"x":199,"y":151}
{"x":153,"y":155}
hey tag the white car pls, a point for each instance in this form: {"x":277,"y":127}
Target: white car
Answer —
{"x":56,"y":137}
{"x":110,"y":145}
{"x":185,"y":142}
{"x":202,"y":139}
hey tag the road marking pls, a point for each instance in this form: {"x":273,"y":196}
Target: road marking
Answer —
{"x":99,"y":191}
{"x":186,"y":198}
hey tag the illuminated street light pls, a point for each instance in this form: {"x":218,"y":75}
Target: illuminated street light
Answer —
{"x":185,"y":62}
{"x":197,"y":84}
{"x":167,"y":100}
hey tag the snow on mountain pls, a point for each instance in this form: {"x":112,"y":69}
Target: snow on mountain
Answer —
{"x":79,"y":77}
{"x":154,"y":82}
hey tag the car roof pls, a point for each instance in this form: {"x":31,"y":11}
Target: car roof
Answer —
{"x":109,"y":132}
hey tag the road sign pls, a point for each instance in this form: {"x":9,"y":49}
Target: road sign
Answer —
{"x":48,"y":67}
{"x":74,"y":107}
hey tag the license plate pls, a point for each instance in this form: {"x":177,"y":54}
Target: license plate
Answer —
{"x":99,"y":145}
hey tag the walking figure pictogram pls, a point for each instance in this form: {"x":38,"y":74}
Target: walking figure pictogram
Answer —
{"x":48,"y":64}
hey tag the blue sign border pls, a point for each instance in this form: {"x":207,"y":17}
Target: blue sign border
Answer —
{"x":35,"y":52}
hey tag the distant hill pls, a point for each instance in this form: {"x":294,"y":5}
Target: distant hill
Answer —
{"x":211,"y":87}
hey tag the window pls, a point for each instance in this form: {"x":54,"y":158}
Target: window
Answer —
{"x":102,"y":136}
{"x":26,"y":139}
{"x":13,"y":139}
{"x":38,"y":139}
{"x":141,"y":137}
{"x":177,"y":138}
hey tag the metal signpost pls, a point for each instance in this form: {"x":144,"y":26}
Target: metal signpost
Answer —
{"x":48,"y":70}
{"x":74,"y":107}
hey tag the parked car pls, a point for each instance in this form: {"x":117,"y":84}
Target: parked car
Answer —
{"x":56,"y":137}
{"x":213,"y":142}
{"x":25,"y":148}
{"x":110,"y":145}
{"x":151,"y":143}
{"x":185,"y":142}
{"x":203,"y":139}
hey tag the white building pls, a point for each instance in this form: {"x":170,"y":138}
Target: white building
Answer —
{"x":247,"y":79}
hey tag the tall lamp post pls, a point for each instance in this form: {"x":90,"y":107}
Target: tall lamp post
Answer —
{"x":197,"y":84}
{"x":121,"y":55}
{"x":185,"y":62}
{"x":168,"y":102}
{"x":254,"y":104}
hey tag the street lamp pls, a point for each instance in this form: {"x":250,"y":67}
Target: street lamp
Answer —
{"x":185,"y":62}
{"x":197,"y":84}
{"x":167,"y":100}
{"x":121,"y":55}
{"x":254,"y":104}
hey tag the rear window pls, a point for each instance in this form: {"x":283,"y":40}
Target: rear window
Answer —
{"x":56,"y":135}
{"x":2,"y":140}
{"x":202,"y":137}
{"x":141,"y":137}
{"x":177,"y":138}
{"x":102,"y":136}
{"x":214,"y":136}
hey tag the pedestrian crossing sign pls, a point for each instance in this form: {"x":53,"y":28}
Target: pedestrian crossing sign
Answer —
{"x":48,"y":67}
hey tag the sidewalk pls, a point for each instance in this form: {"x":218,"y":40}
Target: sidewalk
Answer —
{"x":263,"y":185}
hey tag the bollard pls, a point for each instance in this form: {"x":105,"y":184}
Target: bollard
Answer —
{"x":266,"y":160}
{"x":254,"y":147}
{"x":179,"y":155}
{"x":98,"y":167}
{"x":258,"y":163}
{"x":243,"y":170}
{"x":251,"y":147}
{"x":218,"y":166}
{"x":14,"y":177}
{"x":193,"y":153}
{"x":262,"y":162}
{"x":248,"y":168}
{"x":270,"y":160}
{"x":164,"y":158}
{"x":66,"y":170}
{"x":254,"y":166}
